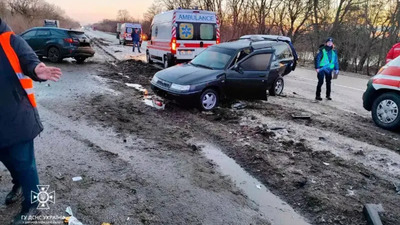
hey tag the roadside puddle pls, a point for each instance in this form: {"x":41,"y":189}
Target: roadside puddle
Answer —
{"x":270,"y":205}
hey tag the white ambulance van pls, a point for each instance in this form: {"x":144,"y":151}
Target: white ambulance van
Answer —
{"x":180,"y":35}
{"x":126,"y":30}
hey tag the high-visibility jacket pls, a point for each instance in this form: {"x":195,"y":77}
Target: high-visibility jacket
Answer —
{"x":325,"y":60}
{"x":19,"y":119}
{"x":26,"y":82}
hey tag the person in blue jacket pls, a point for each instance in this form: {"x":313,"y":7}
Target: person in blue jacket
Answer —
{"x":326,"y":62}
{"x":136,"y":39}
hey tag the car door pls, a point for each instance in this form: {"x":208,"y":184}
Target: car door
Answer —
{"x":40,"y":40}
{"x":248,"y":78}
{"x":285,"y":57}
{"x":28,"y":37}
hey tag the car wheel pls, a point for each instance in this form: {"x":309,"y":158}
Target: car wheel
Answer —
{"x":80,"y":60}
{"x":166,"y":63}
{"x":385,"y":111}
{"x":148,"y":58}
{"x":54,"y":55}
{"x":209,"y":100}
{"x":278,"y":86}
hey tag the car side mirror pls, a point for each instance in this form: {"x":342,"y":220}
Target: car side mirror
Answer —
{"x":237,"y":68}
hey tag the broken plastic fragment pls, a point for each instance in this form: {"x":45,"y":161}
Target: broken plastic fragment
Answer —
{"x":77,"y":179}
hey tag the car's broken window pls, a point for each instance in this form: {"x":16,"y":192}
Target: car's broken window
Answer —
{"x":257,"y":62}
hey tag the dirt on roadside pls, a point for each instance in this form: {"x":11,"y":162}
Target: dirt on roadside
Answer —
{"x":320,"y":184}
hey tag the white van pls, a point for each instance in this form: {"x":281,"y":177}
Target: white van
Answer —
{"x":126,"y":30}
{"x":179,"y":35}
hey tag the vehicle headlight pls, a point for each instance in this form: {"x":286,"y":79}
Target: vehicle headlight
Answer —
{"x":154,"y":80}
{"x":178,"y":87}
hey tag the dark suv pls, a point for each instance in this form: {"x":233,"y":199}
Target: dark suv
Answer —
{"x":239,"y":69}
{"x":56,"y":43}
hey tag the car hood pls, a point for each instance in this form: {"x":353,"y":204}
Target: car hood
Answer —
{"x":186,"y":74}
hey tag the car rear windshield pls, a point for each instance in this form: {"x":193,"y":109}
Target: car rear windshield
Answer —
{"x":76,"y":34}
{"x":215,"y":58}
{"x":196,"y":31}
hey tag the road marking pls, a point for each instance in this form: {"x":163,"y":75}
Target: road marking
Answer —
{"x":355,"y":89}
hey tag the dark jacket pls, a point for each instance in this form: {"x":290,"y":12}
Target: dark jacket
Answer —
{"x":19,"y":121}
{"x":329,"y":52}
{"x":135,"y":36}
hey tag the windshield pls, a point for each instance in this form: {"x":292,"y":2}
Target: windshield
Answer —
{"x":213,"y":58}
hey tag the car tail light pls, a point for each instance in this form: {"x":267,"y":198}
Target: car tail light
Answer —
{"x":173,"y":46}
{"x":69,"y":40}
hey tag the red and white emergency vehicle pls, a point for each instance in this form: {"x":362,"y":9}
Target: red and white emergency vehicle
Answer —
{"x":180,"y":35}
{"x":382,"y":96}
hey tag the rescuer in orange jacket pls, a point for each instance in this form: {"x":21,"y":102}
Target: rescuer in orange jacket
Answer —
{"x":19,"y":119}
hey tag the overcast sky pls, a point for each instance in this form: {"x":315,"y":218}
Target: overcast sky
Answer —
{"x":90,"y":11}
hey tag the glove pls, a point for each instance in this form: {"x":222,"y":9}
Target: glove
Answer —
{"x":336,"y":72}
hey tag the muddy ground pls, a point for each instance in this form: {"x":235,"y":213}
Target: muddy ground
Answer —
{"x":326,"y":167}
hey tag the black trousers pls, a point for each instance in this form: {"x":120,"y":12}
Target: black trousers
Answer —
{"x":20,"y":162}
{"x":327,"y":74}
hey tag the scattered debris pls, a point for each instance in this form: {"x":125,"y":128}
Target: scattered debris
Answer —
{"x":326,"y":164}
{"x":303,"y":116}
{"x":322,"y":139}
{"x":48,"y":85}
{"x":209,"y":113}
{"x":116,"y":51}
{"x":75,"y":179}
{"x":294,"y":93}
{"x":397,"y":187}
{"x":59,"y":176}
{"x":239,"y":105}
{"x":258,"y":186}
{"x":107,"y":223}
{"x":350,"y":193}
{"x":137,"y":87}
{"x":371,"y":212}
{"x":71,"y":220}
{"x":277,"y":128}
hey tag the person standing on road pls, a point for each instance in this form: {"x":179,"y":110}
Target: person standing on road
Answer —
{"x":326,"y":62}
{"x":19,"y":118}
{"x":136,"y":39}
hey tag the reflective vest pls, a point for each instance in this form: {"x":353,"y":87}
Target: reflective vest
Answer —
{"x":325,"y":60}
{"x":25,"y":81}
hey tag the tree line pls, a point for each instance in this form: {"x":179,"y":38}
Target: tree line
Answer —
{"x":24,"y":14}
{"x":363,"y":30}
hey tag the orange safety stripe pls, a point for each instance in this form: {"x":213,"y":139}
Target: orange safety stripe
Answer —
{"x":11,"y":55}
{"x":32,"y":100}
{"x":26,"y":82}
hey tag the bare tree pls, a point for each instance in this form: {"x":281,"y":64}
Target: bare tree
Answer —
{"x":123,"y":16}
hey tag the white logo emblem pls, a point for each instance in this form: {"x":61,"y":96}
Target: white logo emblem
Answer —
{"x":43,"y":197}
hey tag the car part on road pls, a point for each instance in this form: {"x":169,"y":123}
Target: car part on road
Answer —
{"x":301,"y":116}
{"x":53,"y":54}
{"x":277,"y":88}
{"x":80,"y":60}
{"x":371,"y":212}
{"x":385,"y":111}
{"x":239,"y":105}
{"x":208,"y":100}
